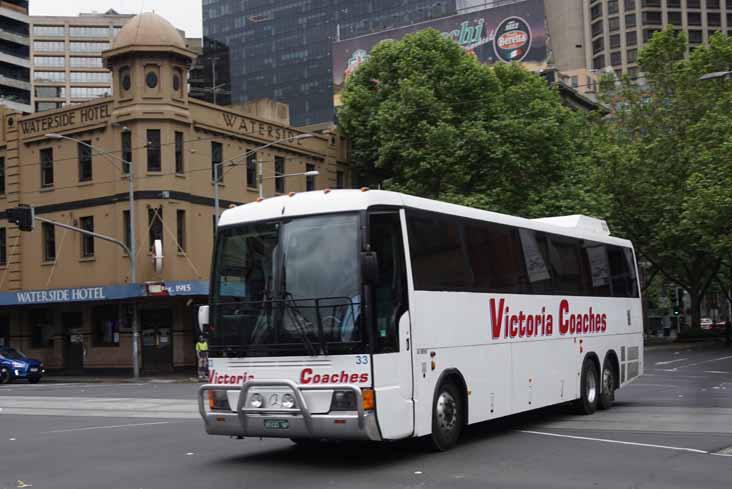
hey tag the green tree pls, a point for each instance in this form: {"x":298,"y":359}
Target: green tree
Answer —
{"x":426,"y":118}
{"x":668,"y":168}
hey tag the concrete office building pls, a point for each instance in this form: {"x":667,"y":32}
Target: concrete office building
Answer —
{"x":66,"y":297}
{"x":66,"y":54}
{"x":15,"y":86}
{"x":616,"y":30}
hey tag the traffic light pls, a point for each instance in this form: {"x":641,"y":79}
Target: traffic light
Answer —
{"x":23,"y":217}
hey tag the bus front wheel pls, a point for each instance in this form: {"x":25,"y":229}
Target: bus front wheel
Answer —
{"x":447,"y":417}
{"x":589,"y":388}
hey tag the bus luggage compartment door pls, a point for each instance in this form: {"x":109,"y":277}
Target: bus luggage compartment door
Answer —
{"x":393,"y":387}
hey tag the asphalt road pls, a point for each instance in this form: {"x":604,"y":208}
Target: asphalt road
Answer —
{"x":670,"y":429}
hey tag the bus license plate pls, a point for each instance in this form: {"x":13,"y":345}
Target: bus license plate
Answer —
{"x":276,"y":424}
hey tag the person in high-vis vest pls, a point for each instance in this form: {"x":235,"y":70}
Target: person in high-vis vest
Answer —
{"x":202,"y":354}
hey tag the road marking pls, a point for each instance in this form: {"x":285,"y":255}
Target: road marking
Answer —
{"x":618,"y":442}
{"x":109,"y":427}
{"x":671,"y":361}
{"x":706,"y":361}
{"x":716,"y":372}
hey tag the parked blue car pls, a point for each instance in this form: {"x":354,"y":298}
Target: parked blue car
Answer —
{"x":15,"y":365}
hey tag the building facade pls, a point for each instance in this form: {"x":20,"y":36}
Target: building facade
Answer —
{"x":66,"y":297}
{"x":66,"y":53}
{"x":15,"y":84}
{"x":616,"y":30}
{"x":257,"y":49}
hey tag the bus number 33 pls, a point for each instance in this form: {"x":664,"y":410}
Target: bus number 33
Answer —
{"x":362,"y":359}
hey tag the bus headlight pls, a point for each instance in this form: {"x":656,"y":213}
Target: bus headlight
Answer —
{"x":288,"y":401}
{"x":343,"y":401}
{"x":256,"y":401}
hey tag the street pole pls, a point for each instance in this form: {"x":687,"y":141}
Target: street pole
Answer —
{"x":260,"y":174}
{"x":133,"y":245}
{"x":216,"y":196}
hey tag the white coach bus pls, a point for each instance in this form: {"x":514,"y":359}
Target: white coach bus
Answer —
{"x":373,"y":315}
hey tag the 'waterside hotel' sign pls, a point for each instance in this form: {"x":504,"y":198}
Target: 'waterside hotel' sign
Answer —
{"x":68,"y":119}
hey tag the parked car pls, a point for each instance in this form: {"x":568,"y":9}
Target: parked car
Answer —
{"x":15,"y":365}
{"x":706,"y":323}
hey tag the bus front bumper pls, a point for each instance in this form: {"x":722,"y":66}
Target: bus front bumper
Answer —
{"x":298,"y":422}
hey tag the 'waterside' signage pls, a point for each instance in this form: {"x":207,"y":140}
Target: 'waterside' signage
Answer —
{"x":98,"y":293}
{"x":61,"y":121}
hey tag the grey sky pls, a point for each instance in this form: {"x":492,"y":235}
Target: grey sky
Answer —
{"x":183,"y":14}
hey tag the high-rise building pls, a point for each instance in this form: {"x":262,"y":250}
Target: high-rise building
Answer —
{"x":15,"y":86}
{"x":259,"y":49}
{"x":66,"y":53}
{"x":616,"y":30}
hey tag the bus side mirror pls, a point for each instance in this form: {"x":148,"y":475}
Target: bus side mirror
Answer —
{"x":202,"y":318}
{"x":369,"y":267}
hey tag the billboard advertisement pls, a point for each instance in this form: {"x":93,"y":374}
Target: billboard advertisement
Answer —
{"x":514,"y":32}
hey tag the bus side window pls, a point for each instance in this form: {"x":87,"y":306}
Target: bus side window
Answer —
{"x":390,"y":293}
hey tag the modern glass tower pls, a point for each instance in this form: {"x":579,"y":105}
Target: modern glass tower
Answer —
{"x":15,"y":86}
{"x":282,"y":50}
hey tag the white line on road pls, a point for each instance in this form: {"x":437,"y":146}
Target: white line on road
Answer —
{"x":671,"y":361}
{"x":619,"y":442}
{"x":109,"y":427}
{"x":706,"y":361}
{"x":716,"y":372}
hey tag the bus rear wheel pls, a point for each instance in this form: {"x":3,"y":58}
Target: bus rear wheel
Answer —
{"x":589,"y":388}
{"x":447,"y":417}
{"x":607,"y":395}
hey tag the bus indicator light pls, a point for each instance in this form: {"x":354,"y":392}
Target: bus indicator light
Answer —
{"x":368,"y":399}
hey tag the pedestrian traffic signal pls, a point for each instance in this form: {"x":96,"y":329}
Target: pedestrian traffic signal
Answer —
{"x":23,"y":217}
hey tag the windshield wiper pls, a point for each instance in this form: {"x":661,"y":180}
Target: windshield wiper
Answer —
{"x":299,"y":321}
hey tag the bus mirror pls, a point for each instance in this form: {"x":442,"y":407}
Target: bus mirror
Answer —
{"x":369,"y":267}
{"x":202,"y":317}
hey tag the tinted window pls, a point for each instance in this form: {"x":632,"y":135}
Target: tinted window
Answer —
{"x":566,"y":265}
{"x":622,"y":272}
{"x":535,"y":249}
{"x":495,"y":257}
{"x":437,"y":254}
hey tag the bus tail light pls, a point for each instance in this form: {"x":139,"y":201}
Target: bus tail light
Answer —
{"x":368,"y":399}
{"x":218,"y":401}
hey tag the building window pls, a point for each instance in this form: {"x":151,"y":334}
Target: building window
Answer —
{"x":155,"y":225}
{"x":596,"y":11}
{"x":632,"y":55}
{"x":629,"y":5}
{"x":597,"y":28}
{"x":714,"y":19}
{"x":126,"y":151}
{"x":696,"y":37}
{"x":83,"y":31}
{"x":615,"y":58}
{"x":127,"y":230}
{"x":713,"y":4}
{"x":630,"y":20}
{"x":106,"y":325}
{"x":42,"y":328}
{"x":310,"y":179}
{"x":2,"y":176}
{"x":598,"y":45}
{"x":615,"y":41}
{"x":85,"y":161}
{"x":650,"y":3}
{"x":279,"y":174}
{"x":51,"y":61}
{"x":598,"y":62}
{"x":49,"y":242}
{"x":613,"y":24}
{"x":693,"y":18}
{"x":652,"y":18}
{"x":47,"y":167}
{"x":48,"y":30}
{"x":252,"y":171}
{"x":87,"y":242}
{"x":179,"y":152}
{"x":339,"y":179}
{"x":217,"y":156}
{"x":41,"y":106}
{"x":180,"y":219}
{"x":153,"y":150}
{"x":3,"y":247}
{"x":631,"y":38}
{"x":88,"y":47}
{"x":673,"y":3}
{"x":57,"y":46}
{"x":83,"y":62}
{"x":612,"y":6}
{"x":648,"y":34}
{"x":674,"y":18}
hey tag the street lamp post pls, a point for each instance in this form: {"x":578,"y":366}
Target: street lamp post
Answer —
{"x":133,"y":245}
{"x":233,"y":161}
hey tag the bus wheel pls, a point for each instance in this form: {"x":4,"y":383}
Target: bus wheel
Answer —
{"x":447,"y":417}
{"x":607,"y":396}
{"x":589,"y":388}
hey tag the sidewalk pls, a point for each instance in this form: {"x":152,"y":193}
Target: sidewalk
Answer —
{"x":173,"y":378}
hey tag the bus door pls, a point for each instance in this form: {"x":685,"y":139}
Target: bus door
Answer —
{"x":392,"y":359}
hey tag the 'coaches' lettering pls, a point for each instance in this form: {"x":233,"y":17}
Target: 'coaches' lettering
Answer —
{"x":308,"y":377}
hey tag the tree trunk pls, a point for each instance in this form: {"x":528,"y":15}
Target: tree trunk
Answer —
{"x":696,"y":299}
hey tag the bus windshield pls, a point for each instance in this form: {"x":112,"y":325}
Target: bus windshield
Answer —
{"x":288,"y":287}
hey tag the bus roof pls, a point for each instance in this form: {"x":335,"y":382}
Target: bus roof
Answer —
{"x":325,"y":202}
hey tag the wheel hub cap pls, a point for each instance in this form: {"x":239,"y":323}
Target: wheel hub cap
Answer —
{"x":591,"y":387}
{"x":446,"y":411}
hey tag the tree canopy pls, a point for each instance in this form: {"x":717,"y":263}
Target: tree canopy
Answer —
{"x":427,"y":118}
